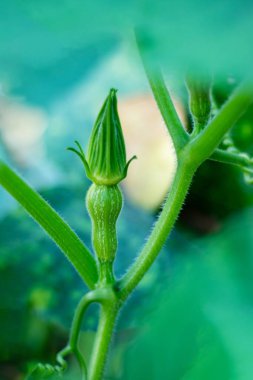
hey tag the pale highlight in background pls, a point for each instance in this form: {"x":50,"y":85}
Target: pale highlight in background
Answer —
{"x":150,"y":176}
{"x":22,"y":127}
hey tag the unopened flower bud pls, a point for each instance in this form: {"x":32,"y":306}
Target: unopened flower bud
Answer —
{"x":106,"y":157}
{"x":200,"y":100}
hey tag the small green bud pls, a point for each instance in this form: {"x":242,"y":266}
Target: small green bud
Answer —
{"x":200,"y":100}
{"x":106,"y":157}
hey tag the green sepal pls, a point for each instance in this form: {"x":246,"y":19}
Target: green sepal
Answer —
{"x":81,"y":155}
{"x":127,"y":166}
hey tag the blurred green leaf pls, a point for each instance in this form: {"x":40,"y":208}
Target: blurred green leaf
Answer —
{"x":201,"y":326}
{"x":45,"y":48}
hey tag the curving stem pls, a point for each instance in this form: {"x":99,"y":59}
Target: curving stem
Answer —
{"x":100,"y":295}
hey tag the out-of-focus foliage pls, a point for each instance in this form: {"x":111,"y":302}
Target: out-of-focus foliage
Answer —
{"x":200,"y":326}
{"x":217,"y":191}
{"x":40,"y":39}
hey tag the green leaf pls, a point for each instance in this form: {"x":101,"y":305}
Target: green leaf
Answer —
{"x":52,"y":223}
{"x":200,"y":325}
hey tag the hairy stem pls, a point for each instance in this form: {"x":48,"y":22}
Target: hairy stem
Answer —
{"x":160,"y":232}
{"x":238,"y":159}
{"x":109,"y":312}
{"x":99,"y":295}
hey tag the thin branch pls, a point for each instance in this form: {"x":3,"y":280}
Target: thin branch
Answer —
{"x":238,"y":159}
{"x":159,"y":233}
{"x":58,"y":230}
{"x":176,"y":130}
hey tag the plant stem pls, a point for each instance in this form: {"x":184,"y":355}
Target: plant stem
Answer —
{"x":238,"y":159}
{"x":108,"y":315}
{"x":99,"y":295}
{"x":79,"y":312}
{"x":161,"y":230}
{"x":150,"y":251}
{"x":161,"y":94}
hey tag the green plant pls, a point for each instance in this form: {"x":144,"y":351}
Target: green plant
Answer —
{"x":106,"y":166}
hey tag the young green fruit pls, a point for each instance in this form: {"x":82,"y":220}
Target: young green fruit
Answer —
{"x":104,"y":204}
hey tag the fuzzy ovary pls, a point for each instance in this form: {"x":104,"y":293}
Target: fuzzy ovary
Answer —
{"x":104,"y":204}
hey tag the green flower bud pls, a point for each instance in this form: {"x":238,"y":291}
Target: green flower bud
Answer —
{"x":106,"y":157}
{"x":200,"y":100}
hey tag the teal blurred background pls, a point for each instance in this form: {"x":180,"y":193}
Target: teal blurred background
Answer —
{"x":191,"y":318}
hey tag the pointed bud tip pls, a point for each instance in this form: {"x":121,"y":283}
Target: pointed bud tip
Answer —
{"x":112,"y":95}
{"x":113,"y":91}
{"x":106,"y":157}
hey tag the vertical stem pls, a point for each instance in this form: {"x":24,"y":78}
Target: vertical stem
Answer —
{"x":161,"y":230}
{"x":103,"y":337}
{"x":161,"y":94}
{"x":105,"y":273}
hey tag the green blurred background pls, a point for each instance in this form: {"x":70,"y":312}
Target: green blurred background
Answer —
{"x":191,"y":318}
